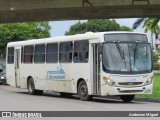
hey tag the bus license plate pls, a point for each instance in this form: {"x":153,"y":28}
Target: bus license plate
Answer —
{"x":147,"y":91}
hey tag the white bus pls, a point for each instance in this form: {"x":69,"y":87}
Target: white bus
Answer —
{"x":90,"y":64}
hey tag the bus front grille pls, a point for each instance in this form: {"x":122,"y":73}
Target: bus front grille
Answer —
{"x":130,"y":91}
{"x":130,"y":83}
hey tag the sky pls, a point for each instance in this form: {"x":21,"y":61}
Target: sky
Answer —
{"x":59,"y":27}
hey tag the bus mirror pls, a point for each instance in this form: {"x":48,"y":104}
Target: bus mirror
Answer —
{"x":100,"y":48}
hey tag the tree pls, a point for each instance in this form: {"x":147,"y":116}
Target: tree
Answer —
{"x":125,"y":28}
{"x":77,"y":29}
{"x":150,"y":24}
{"x":96,"y":25}
{"x":156,"y":65}
{"x":139,"y":21}
{"x":22,"y":31}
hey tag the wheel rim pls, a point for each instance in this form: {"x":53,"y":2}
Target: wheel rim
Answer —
{"x":83,"y":90}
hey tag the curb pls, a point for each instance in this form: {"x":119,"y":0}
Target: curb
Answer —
{"x":156,"y":100}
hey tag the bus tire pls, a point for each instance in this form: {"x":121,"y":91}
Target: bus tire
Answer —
{"x":83,"y":91}
{"x":127,"y":98}
{"x":31,"y":87}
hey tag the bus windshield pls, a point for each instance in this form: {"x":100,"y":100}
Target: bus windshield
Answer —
{"x":127,"y":58}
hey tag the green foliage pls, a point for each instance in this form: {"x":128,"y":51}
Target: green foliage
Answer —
{"x":23,"y":31}
{"x":156,"y":66}
{"x":155,"y":57}
{"x":96,"y":25}
{"x":77,"y":29}
{"x":158,"y":49}
{"x":148,"y":23}
{"x":125,"y":28}
{"x":156,"y":89}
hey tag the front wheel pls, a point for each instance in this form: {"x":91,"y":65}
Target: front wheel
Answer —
{"x":127,"y":98}
{"x":83,"y":91}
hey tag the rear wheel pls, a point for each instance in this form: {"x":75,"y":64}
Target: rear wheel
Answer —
{"x":83,"y":91}
{"x":127,"y":98}
{"x":31,"y":88}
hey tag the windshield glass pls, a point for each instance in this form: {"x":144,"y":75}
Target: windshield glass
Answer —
{"x":127,"y":57}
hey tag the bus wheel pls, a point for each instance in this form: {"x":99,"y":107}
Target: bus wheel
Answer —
{"x":31,"y":87}
{"x":127,"y":98}
{"x":83,"y":91}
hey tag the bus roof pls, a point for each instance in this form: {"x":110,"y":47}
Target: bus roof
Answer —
{"x":88,"y":35}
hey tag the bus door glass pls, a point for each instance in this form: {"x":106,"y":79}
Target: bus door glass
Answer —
{"x":17,"y":67}
{"x":96,"y":69}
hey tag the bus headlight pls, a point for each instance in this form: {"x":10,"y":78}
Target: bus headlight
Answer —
{"x":2,"y":77}
{"x":110,"y":82}
{"x":149,"y":81}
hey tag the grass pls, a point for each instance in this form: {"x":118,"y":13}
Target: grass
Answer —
{"x":156,"y":89}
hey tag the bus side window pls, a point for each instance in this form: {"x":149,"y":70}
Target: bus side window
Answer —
{"x":86,"y":57}
{"x":75,"y":59}
{"x":52,"y":53}
{"x":28,"y":54}
{"x":81,"y":50}
{"x":39,"y":53}
{"x":65,"y":52}
{"x":10,"y":57}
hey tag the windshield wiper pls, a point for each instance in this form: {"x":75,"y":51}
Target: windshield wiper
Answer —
{"x":135,"y":50}
{"x":120,"y":50}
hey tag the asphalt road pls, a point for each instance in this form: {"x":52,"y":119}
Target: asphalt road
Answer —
{"x":16,"y":99}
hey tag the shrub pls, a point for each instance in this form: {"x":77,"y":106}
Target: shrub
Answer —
{"x":155,"y":57}
{"x":158,"y":49}
{"x":156,"y":66}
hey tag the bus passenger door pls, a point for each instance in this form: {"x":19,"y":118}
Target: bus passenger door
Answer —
{"x":17,"y":67}
{"x":96,"y":70}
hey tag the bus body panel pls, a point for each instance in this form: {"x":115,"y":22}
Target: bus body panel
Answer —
{"x":39,"y":76}
{"x":29,"y":69}
{"x":52,"y":83}
{"x":80,"y":71}
{"x":10,"y":72}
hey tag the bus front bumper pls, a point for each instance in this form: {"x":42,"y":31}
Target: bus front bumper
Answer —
{"x":112,"y":90}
